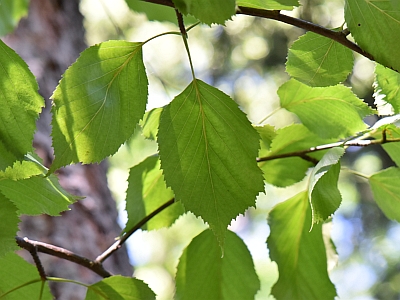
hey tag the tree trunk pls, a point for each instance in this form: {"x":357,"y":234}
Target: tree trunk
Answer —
{"x":49,"y":40}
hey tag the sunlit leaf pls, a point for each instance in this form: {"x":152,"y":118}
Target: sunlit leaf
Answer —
{"x":207,"y":11}
{"x":386,"y":189}
{"x":387,"y":85}
{"x":393,"y":149}
{"x":150,"y":122}
{"x":37,"y":195}
{"x":203,"y":274}
{"x":323,"y":192}
{"x":9,"y":225}
{"x":289,"y":170}
{"x":19,"y":101}
{"x":120,"y":288}
{"x":319,"y":61}
{"x":330,"y":112}
{"x":375,"y":26}
{"x":98,"y":103}
{"x":15,"y":271}
{"x":299,"y":252}
{"x":208,"y":151}
{"x":269,"y":4}
{"x":11,"y":11}
{"x":147,"y":192}
{"x":267,"y":134}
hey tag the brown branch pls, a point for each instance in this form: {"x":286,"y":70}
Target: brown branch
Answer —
{"x":354,"y":143}
{"x":114,"y":247}
{"x":338,"y":36}
{"x":94,"y":266}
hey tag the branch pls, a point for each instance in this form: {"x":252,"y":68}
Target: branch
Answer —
{"x":114,"y":247}
{"x":338,"y":36}
{"x":354,"y":143}
{"x":94,"y":266}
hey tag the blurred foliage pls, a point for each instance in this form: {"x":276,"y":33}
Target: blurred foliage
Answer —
{"x":246,"y":59}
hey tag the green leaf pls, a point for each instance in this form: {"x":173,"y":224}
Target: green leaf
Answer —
{"x":15,"y":272}
{"x":269,"y":4}
{"x":21,"y":170}
{"x":386,"y":189}
{"x":98,"y":103}
{"x":156,"y":12}
{"x":120,"y":288}
{"x":150,"y":123}
{"x":289,"y":170}
{"x":393,"y":149}
{"x":7,"y":157}
{"x":299,"y":253}
{"x":207,"y":11}
{"x":375,"y":26}
{"x":267,"y":134}
{"x":11,"y":11}
{"x":203,"y":274}
{"x":323,"y":193}
{"x":208,"y":152}
{"x":147,"y":192}
{"x":37,"y":195}
{"x":330,"y":112}
{"x":319,"y":61}
{"x":387,"y":85}
{"x":9,"y":226}
{"x":19,"y":101}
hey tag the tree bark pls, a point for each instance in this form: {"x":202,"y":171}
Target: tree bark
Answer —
{"x":49,"y":40}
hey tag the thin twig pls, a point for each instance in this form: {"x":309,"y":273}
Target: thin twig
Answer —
{"x":96,"y":267}
{"x":354,"y":143}
{"x":338,"y":36}
{"x":114,"y":247}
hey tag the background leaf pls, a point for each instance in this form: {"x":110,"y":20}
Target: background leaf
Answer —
{"x":15,"y":271}
{"x":269,"y":4}
{"x":386,"y":189}
{"x":299,"y":253}
{"x":11,"y":11}
{"x":120,"y":288}
{"x":9,"y":226}
{"x":20,"y":103}
{"x":287,"y":171}
{"x":98,"y":103}
{"x":330,"y":112}
{"x":387,"y":85}
{"x":375,"y":26}
{"x":207,"y":11}
{"x":147,"y":192}
{"x":150,"y":123}
{"x":203,"y":274}
{"x":319,"y":61}
{"x":208,"y":152}
{"x":323,"y":193}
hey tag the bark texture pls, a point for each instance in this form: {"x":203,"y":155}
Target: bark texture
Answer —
{"x":49,"y":40}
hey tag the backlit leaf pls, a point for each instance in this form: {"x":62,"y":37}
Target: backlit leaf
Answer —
{"x":150,"y":122}
{"x":323,"y":192}
{"x":19,"y":101}
{"x":375,"y":26}
{"x":9,"y":225}
{"x":319,"y":61}
{"x":204,"y":275}
{"x":269,"y":4}
{"x":37,"y":195}
{"x":299,"y":252}
{"x":120,"y":288}
{"x":393,"y":149}
{"x":386,"y":189}
{"x":289,"y":170}
{"x":330,"y":112}
{"x":207,"y":11}
{"x":16,"y":271}
{"x":208,"y":151}
{"x":147,"y":192}
{"x":98,"y":103}
{"x":387,"y":85}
